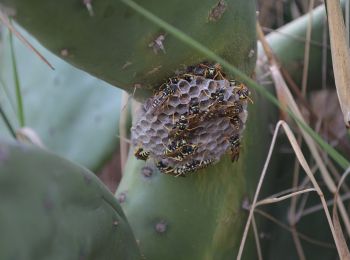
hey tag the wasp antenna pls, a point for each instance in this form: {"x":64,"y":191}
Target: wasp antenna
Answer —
{"x":250,"y":100}
{"x":205,"y":92}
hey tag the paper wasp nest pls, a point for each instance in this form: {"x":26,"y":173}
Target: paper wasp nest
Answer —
{"x":191,"y":121}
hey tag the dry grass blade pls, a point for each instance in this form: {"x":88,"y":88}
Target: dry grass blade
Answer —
{"x":283,"y":91}
{"x":347,"y":16}
{"x":5,"y":20}
{"x":307,"y":50}
{"x":275,"y":200}
{"x":272,"y":60}
{"x":318,"y":207}
{"x":344,"y":252}
{"x":257,"y":240}
{"x":307,"y":170}
{"x":282,"y":87}
{"x":340,"y":56}
{"x":297,"y":243}
{"x":292,"y":216}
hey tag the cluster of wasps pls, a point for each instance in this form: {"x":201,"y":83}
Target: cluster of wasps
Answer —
{"x":179,"y":147}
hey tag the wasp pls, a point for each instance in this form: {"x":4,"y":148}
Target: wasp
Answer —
{"x":212,"y":110}
{"x":187,"y":168}
{"x":234,"y":140}
{"x":188,"y":77}
{"x":236,"y":108}
{"x":183,"y":151}
{"x":241,"y":90}
{"x":174,"y":80}
{"x":141,"y":154}
{"x":212,"y":71}
{"x":180,"y":126}
{"x":165,"y":93}
{"x":169,"y":170}
{"x":235,"y":144}
{"x":207,"y":71}
{"x":194,"y":108}
{"x":234,"y":154}
{"x":209,"y":114}
{"x":163,"y":167}
{"x":236,"y":122}
{"x":196,"y":70}
{"x":192,"y":166}
{"x":231,"y":110}
{"x":204,"y":163}
{"x":180,"y":171}
{"x":218,"y":95}
{"x":174,"y":146}
{"x":188,"y":149}
{"x":184,"y":125}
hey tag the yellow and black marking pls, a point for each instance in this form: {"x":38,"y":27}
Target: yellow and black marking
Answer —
{"x":141,"y":154}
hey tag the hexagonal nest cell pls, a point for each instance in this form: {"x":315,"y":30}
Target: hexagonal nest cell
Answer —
{"x":192,"y":120}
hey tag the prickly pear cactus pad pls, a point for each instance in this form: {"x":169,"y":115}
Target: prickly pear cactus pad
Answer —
{"x":200,"y":216}
{"x":112,"y":42}
{"x":53,"y":209}
{"x":192,"y":121}
{"x":68,"y":127}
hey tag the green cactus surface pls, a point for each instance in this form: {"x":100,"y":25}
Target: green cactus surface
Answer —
{"x":68,"y":109}
{"x":200,"y":216}
{"x":117,"y":45}
{"x":54,"y":209}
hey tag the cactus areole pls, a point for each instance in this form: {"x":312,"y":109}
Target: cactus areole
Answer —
{"x":112,"y":42}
